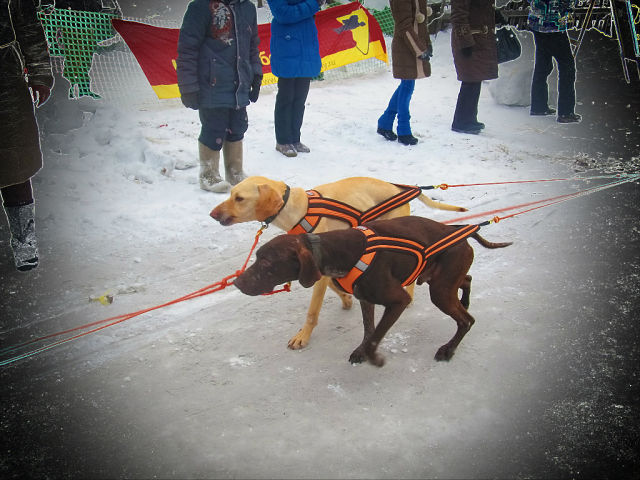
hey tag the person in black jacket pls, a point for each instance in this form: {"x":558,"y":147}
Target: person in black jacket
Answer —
{"x":23,"y":47}
{"x":219,"y":73}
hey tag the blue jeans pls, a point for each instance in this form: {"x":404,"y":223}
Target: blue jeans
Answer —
{"x":399,"y":106}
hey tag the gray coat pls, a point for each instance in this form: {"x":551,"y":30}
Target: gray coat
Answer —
{"x":22,"y":46}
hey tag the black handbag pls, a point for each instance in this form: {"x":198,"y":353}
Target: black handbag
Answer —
{"x":507,"y":44}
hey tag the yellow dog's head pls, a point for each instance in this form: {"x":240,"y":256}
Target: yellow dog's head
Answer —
{"x":255,"y":198}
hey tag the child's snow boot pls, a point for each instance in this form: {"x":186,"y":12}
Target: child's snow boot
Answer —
{"x":23,"y":236}
{"x":232,"y":152}
{"x":210,"y":178}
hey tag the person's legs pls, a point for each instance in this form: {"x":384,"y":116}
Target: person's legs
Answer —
{"x":405,"y":91}
{"x":232,"y":146}
{"x":300,"y":97}
{"x":566,"y":75}
{"x":214,"y":130}
{"x":385,"y":122}
{"x":20,"y":209}
{"x":464,"y":118}
{"x":541,"y":70}
{"x":17,"y":195}
{"x":282,"y":115}
{"x":283,"y":110}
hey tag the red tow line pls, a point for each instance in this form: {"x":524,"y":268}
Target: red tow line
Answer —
{"x":108,"y":322}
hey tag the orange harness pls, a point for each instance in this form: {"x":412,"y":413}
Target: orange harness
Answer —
{"x":376,"y":243}
{"x":320,"y":207}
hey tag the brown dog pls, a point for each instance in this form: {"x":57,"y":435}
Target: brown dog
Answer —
{"x":262,"y":199}
{"x":338,"y":254}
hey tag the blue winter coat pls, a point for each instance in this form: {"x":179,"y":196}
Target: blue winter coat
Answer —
{"x":295,"y":51}
{"x":549,"y":15}
{"x":218,"y":52}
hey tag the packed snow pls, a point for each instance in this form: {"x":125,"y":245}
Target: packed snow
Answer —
{"x":207,"y":388}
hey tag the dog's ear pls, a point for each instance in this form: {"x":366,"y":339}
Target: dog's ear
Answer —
{"x":269,"y":202}
{"x":309,"y":272}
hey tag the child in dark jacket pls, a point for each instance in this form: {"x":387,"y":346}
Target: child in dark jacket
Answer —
{"x":219,"y":73}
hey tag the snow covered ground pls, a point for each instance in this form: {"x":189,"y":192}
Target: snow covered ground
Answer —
{"x":543,"y":385}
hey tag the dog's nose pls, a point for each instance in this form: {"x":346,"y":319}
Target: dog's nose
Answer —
{"x":215,"y":214}
{"x":241,"y":284}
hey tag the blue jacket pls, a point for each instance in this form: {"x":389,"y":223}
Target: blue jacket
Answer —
{"x":295,"y":51}
{"x":549,"y":15}
{"x":218,"y":52}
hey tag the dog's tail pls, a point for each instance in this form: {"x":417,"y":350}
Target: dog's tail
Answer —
{"x":488,"y":244}
{"x":429,"y":202}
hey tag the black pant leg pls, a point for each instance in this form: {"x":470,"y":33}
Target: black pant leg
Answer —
{"x":566,"y":74}
{"x":542,"y":69}
{"x":17,"y":195}
{"x":467,"y":104}
{"x":283,"y":111}
{"x":297,"y":115}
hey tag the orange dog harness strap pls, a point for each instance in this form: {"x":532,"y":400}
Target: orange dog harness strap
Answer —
{"x":320,"y":207}
{"x":409,"y":193}
{"x":376,"y":243}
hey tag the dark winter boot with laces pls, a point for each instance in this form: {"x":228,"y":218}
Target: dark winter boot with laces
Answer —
{"x":23,"y":236}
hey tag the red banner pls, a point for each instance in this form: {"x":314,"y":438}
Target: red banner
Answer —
{"x":347,"y":34}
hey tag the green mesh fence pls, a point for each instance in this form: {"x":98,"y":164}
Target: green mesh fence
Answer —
{"x":385,"y":20}
{"x":107,"y":69}
{"x":75,"y":35}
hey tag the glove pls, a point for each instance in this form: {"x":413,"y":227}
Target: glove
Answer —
{"x":190,"y":100}
{"x":39,"y":93}
{"x":255,"y":88}
{"x":427,"y":54}
{"x":500,"y":18}
{"x":467,"y":51}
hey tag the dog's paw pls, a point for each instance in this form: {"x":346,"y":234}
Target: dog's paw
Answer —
{"x":357,"y":356}
{"x":444,"y":353}
{"x":299,"y":340}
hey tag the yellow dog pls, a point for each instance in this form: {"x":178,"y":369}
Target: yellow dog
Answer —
{"x":273,"y":201}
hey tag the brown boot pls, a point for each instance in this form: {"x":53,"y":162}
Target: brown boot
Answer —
{"x":210,"y":178}
{"x":232,"y":152}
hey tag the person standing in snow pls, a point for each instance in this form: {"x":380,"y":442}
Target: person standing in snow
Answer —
{"x":548,"y":21}
{"x":473,"y":43}
{"x":295,"y":60}
{"x":25,"y":80}
{"x":219,"y":73}
{"x":410,"y":52}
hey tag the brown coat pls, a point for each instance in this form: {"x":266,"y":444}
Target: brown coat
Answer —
{"x":410,"y":39}
{"x":22,"y":42}
{"x":473,"y":25}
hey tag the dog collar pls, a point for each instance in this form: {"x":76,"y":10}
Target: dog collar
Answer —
{"x":285,"y":199}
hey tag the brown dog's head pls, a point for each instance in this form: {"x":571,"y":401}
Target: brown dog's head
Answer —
{"x":254,"y":198}
{"x":282,"y":259}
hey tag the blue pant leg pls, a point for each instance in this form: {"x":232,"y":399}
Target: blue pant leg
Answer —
{"x":389,"y":116}
{"x":404,"y":98}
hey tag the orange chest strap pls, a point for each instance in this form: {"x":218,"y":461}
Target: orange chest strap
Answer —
{"x":376,"y":243}
{"x":320,"y":207}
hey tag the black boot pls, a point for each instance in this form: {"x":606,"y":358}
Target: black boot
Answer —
{"x":388,"y":134}
{"x":407,"y":139}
